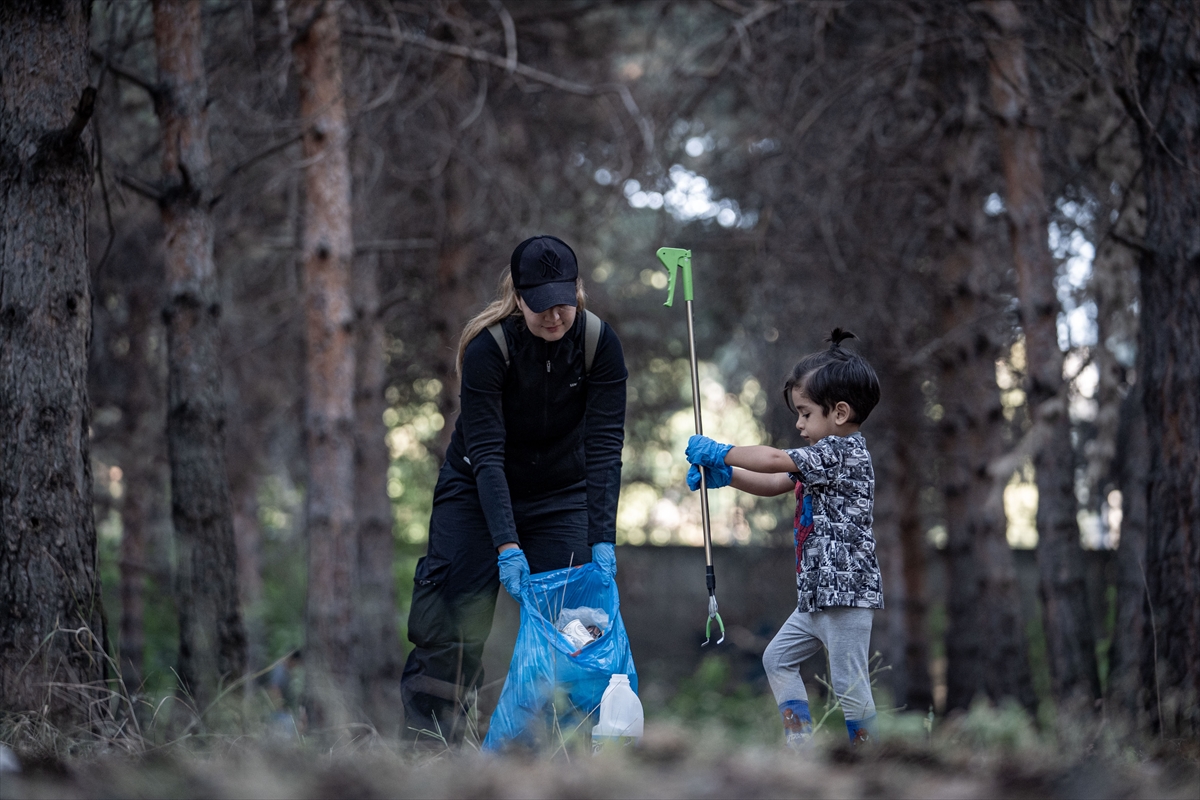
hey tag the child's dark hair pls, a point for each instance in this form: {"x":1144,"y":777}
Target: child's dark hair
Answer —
{"x":834,"y":375}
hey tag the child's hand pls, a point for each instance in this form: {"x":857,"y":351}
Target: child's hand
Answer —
{"x":714,"y":478}
{"x":706,"y":452}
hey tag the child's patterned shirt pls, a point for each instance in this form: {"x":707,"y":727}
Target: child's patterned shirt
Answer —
{"x":836,"y":564}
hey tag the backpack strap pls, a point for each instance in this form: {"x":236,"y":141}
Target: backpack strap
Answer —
{"x":497,"y":332}
{"x":591,"y":339}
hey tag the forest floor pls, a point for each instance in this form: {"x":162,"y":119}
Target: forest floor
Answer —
{"x":984,"y":754}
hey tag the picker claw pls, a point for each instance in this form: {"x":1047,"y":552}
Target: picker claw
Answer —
{"x":712,"y":614}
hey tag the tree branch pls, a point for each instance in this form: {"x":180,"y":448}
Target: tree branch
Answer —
{"x":880,"y":62}
{"x":400,"y":38}
{"x":1138,"y":247}
{"x":738,"y":34}
{"x":393,"y":245}
{"x":149,"y":86}
{"x":510,"y":35}
{"x":83,"y":113}
{"x":139,"y":186}
{"x":270,"y":150}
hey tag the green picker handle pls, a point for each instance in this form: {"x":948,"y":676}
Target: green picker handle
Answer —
{"x":675,"y":258}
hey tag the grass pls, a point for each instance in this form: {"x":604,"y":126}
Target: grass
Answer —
{"x":716,"y":737}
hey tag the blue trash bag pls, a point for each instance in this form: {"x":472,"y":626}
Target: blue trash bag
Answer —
{"x":549,"y":683}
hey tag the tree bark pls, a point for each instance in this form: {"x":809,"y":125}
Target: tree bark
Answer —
{"x":145,"y":497}
{"x":380,"y":658}
{"x":985,"y":635}
{"x":1126,"y":687}
{"x":248,"y":538}
{"x":1168,"y":114}
{"x":212,"y":638}
{"x":1070,"y":639}
{"x":902,"y":546}
{"x":914,"y":548}
{"x":330,"y":368}
{"x":127,"y":371}
{"x":52,"y":625}
{"x":453,"y":287}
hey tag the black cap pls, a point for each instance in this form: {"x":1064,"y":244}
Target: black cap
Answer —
{"x":544,"y":270}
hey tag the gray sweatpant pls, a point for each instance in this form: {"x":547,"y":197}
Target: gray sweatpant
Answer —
{"x":846,"y":634}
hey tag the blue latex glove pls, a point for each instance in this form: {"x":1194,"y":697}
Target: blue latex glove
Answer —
{"x":706,"y":452}
{"x":715,"y":478}
{"x":605,"y":557}
{"x":514,"y":571}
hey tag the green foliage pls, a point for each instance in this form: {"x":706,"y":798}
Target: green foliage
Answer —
{"x":160,"y":623}
{"x":284,"y":566}
{"x":713,"y":699}
{"x":937,"y":630}
{"x":1039,"y":665}
{"x":414,"y":424}
{"x":1007,"y":729}
{"x":1104,"y":644}
{"x":407,"y":555}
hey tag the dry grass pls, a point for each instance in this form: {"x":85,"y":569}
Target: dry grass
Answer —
{"x":985,"y":754}
{"x":714,"y":741}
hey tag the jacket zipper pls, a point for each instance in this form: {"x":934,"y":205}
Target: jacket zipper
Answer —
{"x":546,"y":392}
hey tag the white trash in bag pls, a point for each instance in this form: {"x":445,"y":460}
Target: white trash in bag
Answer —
{"x":582,"y":626}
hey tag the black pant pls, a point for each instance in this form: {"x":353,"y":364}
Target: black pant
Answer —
{"x":454,"y":591}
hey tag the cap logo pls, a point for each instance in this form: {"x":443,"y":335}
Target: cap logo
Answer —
{"x":551,"y":264}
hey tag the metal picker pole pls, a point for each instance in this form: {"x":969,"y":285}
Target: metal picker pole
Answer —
{"x":675,"y":260}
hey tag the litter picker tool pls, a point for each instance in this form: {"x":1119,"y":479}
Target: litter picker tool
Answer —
{"x":678,"y":261}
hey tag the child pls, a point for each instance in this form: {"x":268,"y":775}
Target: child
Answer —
{"x":837,"y":575}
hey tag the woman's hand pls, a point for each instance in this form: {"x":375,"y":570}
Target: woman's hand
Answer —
{"x":714,"y":478}
{"x":604,"y":556}
{"x":514,"y":570}
{"x":706,"y":452}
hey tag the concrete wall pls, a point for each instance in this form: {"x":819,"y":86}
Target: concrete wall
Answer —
{"x":664,"y":603}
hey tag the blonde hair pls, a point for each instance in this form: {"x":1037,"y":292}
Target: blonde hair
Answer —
{"x":504,"y":306}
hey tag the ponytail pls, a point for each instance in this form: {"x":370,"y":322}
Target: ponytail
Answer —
{"x":837,"y":336}
{"x":504,"y":306}
{"x":813,"y":362}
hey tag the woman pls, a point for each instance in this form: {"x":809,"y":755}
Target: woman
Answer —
{"x":531,"y":477}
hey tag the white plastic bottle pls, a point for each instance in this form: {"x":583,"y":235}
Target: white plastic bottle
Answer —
{"x":621,"y":718}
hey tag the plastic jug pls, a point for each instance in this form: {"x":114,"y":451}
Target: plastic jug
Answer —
{"x":621,"y":718}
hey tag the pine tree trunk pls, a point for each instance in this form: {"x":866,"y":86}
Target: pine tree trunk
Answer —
{"x":51,"y":623}
{"x":212,"y":639}
{"x":247,"y":535}
{"x":1169,"y":351}
{"x":330,"y":368}
{"x":144,"y":495}
{"x":1070,"y":639}
{"x":380,"y":657}
{"x":454,"y":290}
{"x":1126,"y":687}
{"x":914,"y":548}
{"x":985,"y":635}
{"x":126,"y":371}
{"x":902,"y":547}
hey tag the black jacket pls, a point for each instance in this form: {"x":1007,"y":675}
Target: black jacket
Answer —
{"x":539,"y":424}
